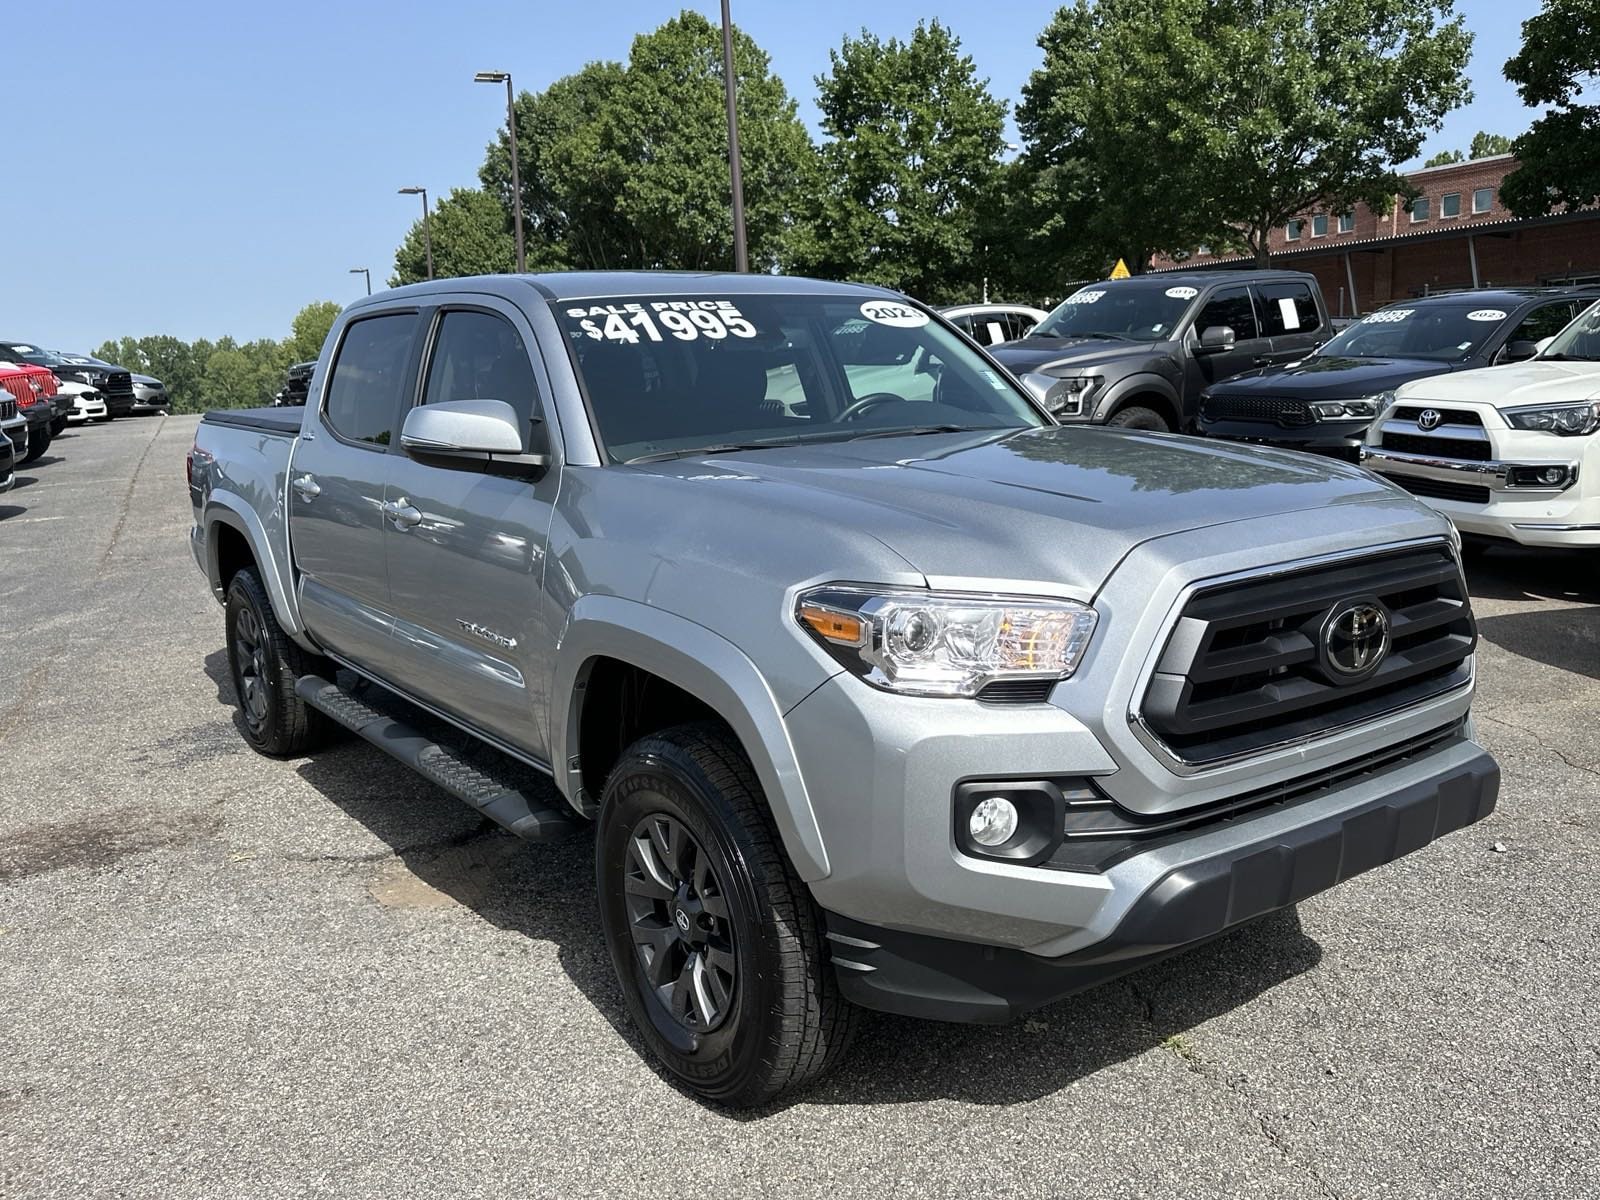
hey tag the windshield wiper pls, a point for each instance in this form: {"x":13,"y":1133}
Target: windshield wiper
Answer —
{"x":911,"y":431}
{"x":719,"y":448}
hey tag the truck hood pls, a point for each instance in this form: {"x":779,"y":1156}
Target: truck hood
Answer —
{"x":1032,"y":354}
{"x":1330,"y":378}
{"x":1538,"y":381}
{"x":1056,"y":506}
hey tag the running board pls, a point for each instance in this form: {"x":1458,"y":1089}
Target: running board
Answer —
{"x":506,"y":791}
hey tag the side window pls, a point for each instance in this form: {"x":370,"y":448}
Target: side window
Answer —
{"x":369,"y":378}
{"x":1230,"y":307}
{"x":479,"y":356}
{"x":1545,"y":321}
{"x":1288,"y":308}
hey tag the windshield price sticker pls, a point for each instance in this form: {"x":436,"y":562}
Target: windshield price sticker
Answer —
{"x":888,"y":312}
{"x":1390,"y":315}
{"x":653,"y":320}
{"x":1486,"y":314}
{"x":1182,"y":293}
{"x":1084,"y":297}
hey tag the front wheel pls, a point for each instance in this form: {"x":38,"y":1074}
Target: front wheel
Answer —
{"x":38,"y":442}
{"x":1136,"y":416}
{"x":716,"y":942}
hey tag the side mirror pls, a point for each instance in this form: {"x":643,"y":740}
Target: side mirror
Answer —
{"x":1519,"y":351}
{"x":1216,"y":338}
{"x":470,"y":435}
{"x":1543,"y":343}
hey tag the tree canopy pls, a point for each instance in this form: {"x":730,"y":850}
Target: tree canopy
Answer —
{"x":1484,"y":145}
{"x":1560,"y":153}
{"x":471,"y":236}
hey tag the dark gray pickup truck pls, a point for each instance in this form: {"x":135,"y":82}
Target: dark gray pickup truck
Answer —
{"x":877,"y":687}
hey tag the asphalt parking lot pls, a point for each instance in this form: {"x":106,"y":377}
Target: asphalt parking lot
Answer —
{"x":222,"y":975}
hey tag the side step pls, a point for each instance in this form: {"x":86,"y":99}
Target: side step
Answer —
{"x":506,"y":791}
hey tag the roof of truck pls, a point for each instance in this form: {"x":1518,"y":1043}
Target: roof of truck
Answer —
{"x":587,"y":285}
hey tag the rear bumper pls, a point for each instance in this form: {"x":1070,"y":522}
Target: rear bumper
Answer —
{"x":1256,"y":866}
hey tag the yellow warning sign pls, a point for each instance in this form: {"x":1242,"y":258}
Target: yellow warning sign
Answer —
{"x":1120,"y":271}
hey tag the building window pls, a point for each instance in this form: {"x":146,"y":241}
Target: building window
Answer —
{"x":1292,"y":230}
{"x":1319,"y":225}
{"x":1450,"y":204}
{"x":1419,"y":209}
{"x":1347,"y":222}
{"x":1482,"y":200}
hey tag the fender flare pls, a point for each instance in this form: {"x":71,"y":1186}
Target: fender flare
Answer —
{"x":709,"y":667}
{"x":1144,"y":383}
{"x":226,"y":508}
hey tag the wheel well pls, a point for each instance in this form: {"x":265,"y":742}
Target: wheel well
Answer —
{"x":621,"y":703}
{"x":1151,"y":400}
{"x":233,"y":554}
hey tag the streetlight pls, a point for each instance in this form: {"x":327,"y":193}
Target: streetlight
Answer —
{"x":367,"y":273}
{"x":741,"y":257}
{"x":516,"y":176}
{"x":427,"y":234}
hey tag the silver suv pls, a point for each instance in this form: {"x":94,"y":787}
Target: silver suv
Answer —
{"x":879,"y":688}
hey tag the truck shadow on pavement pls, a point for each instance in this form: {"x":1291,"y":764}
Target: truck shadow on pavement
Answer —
{"x":446,"y":856}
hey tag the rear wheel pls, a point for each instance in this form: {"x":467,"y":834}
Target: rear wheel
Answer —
{"x":1136,"y":416}
{"x":716,"y":942}
{"x":266,"y":665}
{"x":39,"y":437}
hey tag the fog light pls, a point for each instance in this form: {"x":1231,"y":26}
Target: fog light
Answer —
{"x":993,"y":821}
{"x":1552,"y":475}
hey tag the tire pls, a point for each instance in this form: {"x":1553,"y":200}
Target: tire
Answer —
{"x":38,"y":442}
{"x":683,"y":807}
{"x":265,"y":666}
{"x":1136,"y":416}
{"x":57,"y":426}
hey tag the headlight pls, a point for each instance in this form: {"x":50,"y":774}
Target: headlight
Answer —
{"x":943,"y":643}
{"x":1568,"y":420}
{"x":1061,"y":397}
{"x":1365,"y":406}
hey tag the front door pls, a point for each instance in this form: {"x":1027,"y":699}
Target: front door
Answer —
{"x":336,"y":487}
{"x":466,"y":564}
{"x":1231,"y":308}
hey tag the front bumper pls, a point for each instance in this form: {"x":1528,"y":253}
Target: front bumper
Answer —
{"x":8,"y":465}
{"x":1342,"y":439}
{"x":1179,"y":895}
{"x":87,"y":410}
{"x":149,"y":404}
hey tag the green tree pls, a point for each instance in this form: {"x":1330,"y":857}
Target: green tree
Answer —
{"x":1218,"y":120}
{"x":309,"y":329}
{"x":471,"y":236}
{"x":1487,"y":145}
{"x":1445,"y":158}
{"x":910,"y":167}
{"x":1560,"y":153}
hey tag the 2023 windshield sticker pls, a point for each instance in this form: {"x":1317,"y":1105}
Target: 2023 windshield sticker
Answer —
{"x":632,"y":321}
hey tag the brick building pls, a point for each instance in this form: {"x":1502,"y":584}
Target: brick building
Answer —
{"x":1457,"y":235}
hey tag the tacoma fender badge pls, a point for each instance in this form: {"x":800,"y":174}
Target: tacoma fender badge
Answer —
{"x":488,"y":635}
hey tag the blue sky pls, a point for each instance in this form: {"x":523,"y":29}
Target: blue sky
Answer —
{"x":204,"y":168}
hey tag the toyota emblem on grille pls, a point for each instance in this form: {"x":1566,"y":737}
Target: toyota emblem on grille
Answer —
{"x":1428,"y":418}
{"x":1355,"y":638}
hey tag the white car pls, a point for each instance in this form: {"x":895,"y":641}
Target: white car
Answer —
{"x":1509,"y":452}
{"x":991,"y":324}
{"x":87,"y":402}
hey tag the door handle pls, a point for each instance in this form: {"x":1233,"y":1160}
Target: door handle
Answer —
{"x":402,"y":513}
{"x":306,"y":488}
{"x":1262,"y":360}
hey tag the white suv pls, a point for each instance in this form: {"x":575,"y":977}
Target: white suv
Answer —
{"x":1507,"y":452}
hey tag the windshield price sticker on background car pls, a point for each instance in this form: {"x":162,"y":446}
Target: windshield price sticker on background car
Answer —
{"x":1486,"y":314}
{"x":1389,"y":316}
{"x":888,"y":312}
{"x":654,"y":320}
{"x":1084,"y":297}
{"x":1182,"y":293}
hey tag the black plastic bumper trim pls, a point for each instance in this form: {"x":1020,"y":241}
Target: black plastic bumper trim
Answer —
{"x":941,"y":979}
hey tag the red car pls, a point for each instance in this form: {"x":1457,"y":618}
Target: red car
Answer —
{"x":35,"y":390}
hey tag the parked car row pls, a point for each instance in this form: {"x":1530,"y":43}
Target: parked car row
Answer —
{"x":43,"y":391}
{"x":1483,"y":403}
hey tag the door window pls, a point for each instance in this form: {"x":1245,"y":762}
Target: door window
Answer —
{"x":1288,"y":308}
{"x":1230,"y":307}
{"x":369,"y":377}
{"x":1544,"y":321}
{"x":479,"y":356}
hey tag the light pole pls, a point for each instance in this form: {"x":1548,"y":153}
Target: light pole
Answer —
{"x":516,"y":176}
{"x":741,"y":257}
{"x":427,"y":234}
{"x":367,"y":273}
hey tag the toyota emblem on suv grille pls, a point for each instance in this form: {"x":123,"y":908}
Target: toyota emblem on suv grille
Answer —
{"x":1355,"y":638}
{"x":1428,"y":418}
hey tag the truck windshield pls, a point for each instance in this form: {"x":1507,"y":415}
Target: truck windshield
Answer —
{"x":671,"y":375}
{"x":1438,"y":332}
{"x":1123,"y":310}
{"x":1579,"y":341}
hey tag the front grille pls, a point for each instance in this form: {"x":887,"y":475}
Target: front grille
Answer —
{"x":1257,"y":408}
{"x":8,"y":407}
{"x":1448,"y":416}
{"x":1245,"y":666}
{"x":1475,"y":449}
{"x":117,"y":383}
{"x":1440,"y":489}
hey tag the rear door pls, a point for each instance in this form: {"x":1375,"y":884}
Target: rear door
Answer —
{"x":336,"y":488}
{"x":467,"y":562}
{"x":1290,"y":318}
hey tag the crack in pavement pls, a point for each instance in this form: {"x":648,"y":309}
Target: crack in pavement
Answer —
{"x":1537,"y":740}
{"x":127,"y":496}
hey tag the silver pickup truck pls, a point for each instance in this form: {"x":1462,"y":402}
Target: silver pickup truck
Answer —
{"x":877,"y":687}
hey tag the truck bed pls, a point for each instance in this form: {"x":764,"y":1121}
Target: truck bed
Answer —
{"x":273,"y":420}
